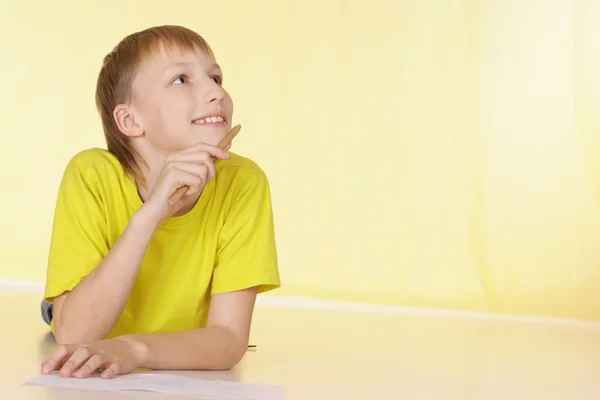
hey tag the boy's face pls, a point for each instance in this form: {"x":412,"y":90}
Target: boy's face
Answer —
{"x":178,"y":101}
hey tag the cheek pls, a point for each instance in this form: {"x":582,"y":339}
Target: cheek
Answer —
{"x":228,"y":103}
{"x":174,"y":110}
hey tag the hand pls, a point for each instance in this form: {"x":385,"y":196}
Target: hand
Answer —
{"x":114,"y":356}
{"x":191,"y":167}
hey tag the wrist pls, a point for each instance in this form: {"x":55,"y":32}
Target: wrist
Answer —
{"x":139,"y":349}
{"x":145,"y":220}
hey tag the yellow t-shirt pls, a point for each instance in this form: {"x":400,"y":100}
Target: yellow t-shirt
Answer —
{"x":225,"y":243}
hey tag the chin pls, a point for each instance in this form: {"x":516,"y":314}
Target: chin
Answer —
{"x":212,"y":135}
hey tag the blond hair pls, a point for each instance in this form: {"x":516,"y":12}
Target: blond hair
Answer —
{"x":115,"y":82}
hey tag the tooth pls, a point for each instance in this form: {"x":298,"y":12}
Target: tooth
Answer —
{"x":201,"y":121}
{"x":220,"y":119}
{"x":213,"y":119}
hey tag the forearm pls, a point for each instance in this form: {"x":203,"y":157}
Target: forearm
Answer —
{"x":93,"y":308}
{"x":211,"y":348}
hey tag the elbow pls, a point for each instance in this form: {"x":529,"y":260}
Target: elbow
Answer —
{"x":68,"y":335}
{"x":64,"y":336}
{"x":61,"y":335}
{"x":230,"y":353}
{"x":70,"y":329}
{"x":226,"y":364}
{"x":233,"y":359}
{"x":63,"y":340}
{"x":228,"y":359}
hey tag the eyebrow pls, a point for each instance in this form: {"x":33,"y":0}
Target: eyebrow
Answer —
{"x":188,"y":64}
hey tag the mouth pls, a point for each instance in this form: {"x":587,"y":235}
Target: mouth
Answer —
{"x":212,"y":119}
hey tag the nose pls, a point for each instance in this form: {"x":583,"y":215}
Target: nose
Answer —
{"x":215,"y":92}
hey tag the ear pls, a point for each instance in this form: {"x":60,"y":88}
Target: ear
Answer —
{"x":126,"y":121}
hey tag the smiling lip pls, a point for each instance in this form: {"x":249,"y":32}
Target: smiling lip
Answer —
{"x":212,"y":119}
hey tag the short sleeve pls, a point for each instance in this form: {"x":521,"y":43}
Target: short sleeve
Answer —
{"x":78,"y":242}
{"x":247,"y":255}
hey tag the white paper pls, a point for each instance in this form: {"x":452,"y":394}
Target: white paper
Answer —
{"x":169,"y":384}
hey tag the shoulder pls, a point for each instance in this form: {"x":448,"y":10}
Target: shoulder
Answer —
{"x":241,"y":164}
{"x":93,"y":164}
{"x":240,"y":170}
{"x":241,"y":180}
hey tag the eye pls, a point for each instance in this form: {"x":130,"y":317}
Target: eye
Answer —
{"x":218,"y":80}
{"x":179,"y":80}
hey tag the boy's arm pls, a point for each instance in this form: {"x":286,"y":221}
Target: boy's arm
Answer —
{"x":92,"y":309}
{"x":89,"y":284}
{"x":219,"y":346}
{"x":246,"y":265}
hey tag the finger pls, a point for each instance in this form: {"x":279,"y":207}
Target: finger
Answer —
{"x":193,"y":190}
{"x":203,"y":173}
{"x":175,"y":181}
{"x":204,"y":177}
{"x":199,"y":158}
{"x":57,"y":359}
{"x":209,"y":171}
{"x":91,"y":365}
{"x":111,"y":371}
{"x":189,"y":167}
{"x":206,"y":172}
{"x":80,"y":356}
{"x":209,"y":162}
{"x":213,"y":151}
{"x":205,"y":167}
{"x":187,"y":177}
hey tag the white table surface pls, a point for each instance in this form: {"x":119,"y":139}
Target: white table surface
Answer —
{"x":342,"y":355}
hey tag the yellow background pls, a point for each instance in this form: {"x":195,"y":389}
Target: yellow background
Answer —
{"x":426,"y":153}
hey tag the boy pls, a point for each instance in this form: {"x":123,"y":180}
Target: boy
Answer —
{"x":133,"y":282}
